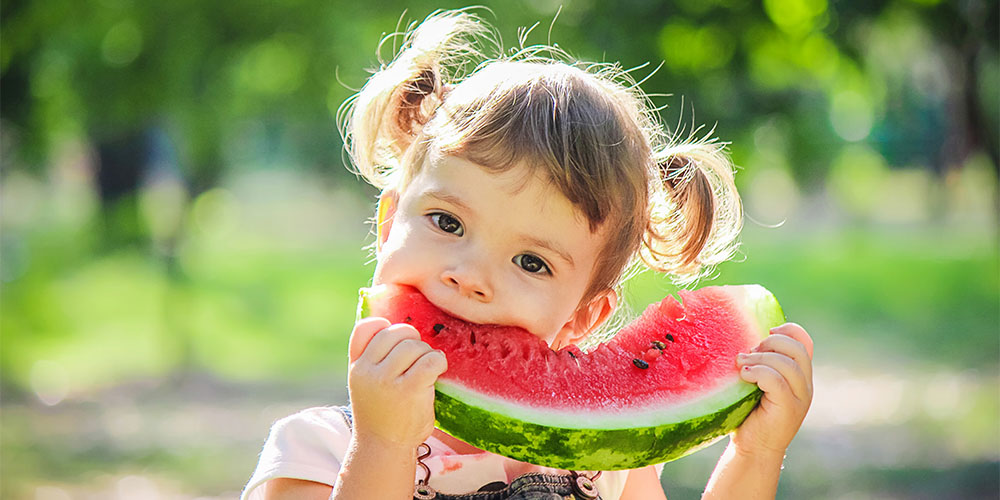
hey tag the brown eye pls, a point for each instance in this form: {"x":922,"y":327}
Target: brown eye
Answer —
{"x":447,"y":223}
{"x":531,"y":263}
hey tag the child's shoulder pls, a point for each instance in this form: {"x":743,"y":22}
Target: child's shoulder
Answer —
{"x":322,"y":425}
{"x":310,"y":444}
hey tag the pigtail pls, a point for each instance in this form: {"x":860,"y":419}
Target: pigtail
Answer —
{"x":382,"y":121}
{"x":696,"y":214}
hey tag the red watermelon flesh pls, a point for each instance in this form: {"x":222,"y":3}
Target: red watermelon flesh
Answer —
{"x":670,"y":357}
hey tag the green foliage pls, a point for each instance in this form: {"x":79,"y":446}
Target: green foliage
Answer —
{"x":262,"y":80}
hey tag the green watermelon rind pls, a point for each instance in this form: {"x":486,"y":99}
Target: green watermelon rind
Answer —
{"x":366,"y":295}
{"x":729,"y":390}
{"x":762,"y":303}
{"x":607,"y":441}
{"x":587,"y":449}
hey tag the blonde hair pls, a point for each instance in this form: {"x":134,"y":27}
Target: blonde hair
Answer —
{"x":668,"y":202}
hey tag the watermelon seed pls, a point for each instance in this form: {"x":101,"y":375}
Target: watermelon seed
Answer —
{"x":574,"y":358}
{"x":659,"y":345}
{"x":670,"y":337}
{"x":640,"y":363}
{"x":438,"y":327}
{"x":472,"y":337}
{"x":408,"y":319}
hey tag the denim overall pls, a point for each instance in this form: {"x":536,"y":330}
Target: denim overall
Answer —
{"x":531,"y":486}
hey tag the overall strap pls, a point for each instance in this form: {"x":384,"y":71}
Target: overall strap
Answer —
{"x":530,"y":486}
{"x":348,"y":416}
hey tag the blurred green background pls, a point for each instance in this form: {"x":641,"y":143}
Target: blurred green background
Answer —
{"x":181,"y":244}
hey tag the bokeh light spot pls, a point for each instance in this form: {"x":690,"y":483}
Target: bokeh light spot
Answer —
{"x":216,"y":212}
{"x":851,"y":115}
{"x":162,"y":204}
{"x":820,"y":56}
{"x":274,"y":66}
{"x":795,"y":17}
{"x":857,"y":176}
{"x":690,"y":48}
{"x":51,"y":493}
{"x":122,"y":44}
{"x":137,"y":487}
{"x":773,"y":195}
{"x":49,"y":381}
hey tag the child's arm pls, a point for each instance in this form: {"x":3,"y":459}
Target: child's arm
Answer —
{"x":391,"y":382}
{"x":782,"y":367}
{"x":643,"y":484}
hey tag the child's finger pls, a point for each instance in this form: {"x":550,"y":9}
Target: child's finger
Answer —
{"x":769,"y":381}
{"x":785,"y":366}
{"x":385,"y":340}
{"x":402,"y":355}
{"x":790,"y":347}
{"x":428,"y":367}
{"x":362,"y":334}
{"x":796,"y":332}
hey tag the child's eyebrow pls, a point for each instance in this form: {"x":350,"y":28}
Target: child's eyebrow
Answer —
{"x":448,"y":198}
{"x":548,"y":245}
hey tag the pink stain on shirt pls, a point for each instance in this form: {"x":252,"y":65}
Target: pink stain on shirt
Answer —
{"x":449,"y":464}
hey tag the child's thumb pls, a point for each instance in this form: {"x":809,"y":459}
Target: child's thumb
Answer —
{"x":362,"y":334}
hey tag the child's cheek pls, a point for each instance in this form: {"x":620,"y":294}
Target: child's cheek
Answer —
{"x":405,"y":257}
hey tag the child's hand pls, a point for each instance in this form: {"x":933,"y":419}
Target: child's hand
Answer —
{"x":782,"y":367}
{"x":391,"y":382}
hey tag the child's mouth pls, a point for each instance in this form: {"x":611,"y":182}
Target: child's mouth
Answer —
{"x":447,"y":310}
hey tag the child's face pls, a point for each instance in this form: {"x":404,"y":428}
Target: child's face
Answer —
{"x":505,"y":248}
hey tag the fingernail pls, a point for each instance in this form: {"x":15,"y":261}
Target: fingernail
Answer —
{"x":742,"y":356}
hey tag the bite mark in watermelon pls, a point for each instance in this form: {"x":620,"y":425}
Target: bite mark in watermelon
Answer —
{"x":618,"y":406}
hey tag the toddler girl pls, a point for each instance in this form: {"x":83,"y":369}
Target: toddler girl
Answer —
{"x":519,"y":194}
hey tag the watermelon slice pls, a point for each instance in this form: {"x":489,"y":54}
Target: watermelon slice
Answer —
{"x":664,"y":386}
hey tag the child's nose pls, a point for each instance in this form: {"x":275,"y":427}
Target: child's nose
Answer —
{"x":468,"y":283}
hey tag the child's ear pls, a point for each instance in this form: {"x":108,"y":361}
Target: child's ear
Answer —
{"x":383,"y":216}
{"x":587,"y":319}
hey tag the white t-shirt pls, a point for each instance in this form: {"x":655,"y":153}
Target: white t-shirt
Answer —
{"x":311,"y":445}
